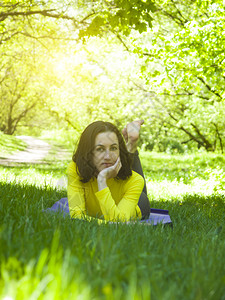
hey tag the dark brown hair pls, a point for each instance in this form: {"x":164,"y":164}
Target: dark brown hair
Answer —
{"x":83,"y":156}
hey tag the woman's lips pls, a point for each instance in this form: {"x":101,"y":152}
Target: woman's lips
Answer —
{"x":107,"y":165}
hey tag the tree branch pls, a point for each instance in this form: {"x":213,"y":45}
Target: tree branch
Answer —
{"x":219,"y":136}
{"x":45,"y":13}
{"x":207,"y":144}
{"x":8,"y":38}
{"x":22,"y":115}
{"x":121,"y":40}
{"x":209,"y":88}
{"x":5,"y":15}
{"x":177,"y":20}
{"x":5,"y":75}
{"x":194,"y":138}
{"x":66,"y":118}
{"x":179,"y":12}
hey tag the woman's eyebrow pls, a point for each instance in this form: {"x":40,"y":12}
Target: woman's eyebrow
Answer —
{"x":104,"y":145}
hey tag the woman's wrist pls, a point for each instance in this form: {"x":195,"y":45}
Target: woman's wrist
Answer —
{"x":101,"y":182}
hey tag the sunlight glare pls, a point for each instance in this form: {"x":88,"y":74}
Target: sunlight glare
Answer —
{"x":8,"y":298}
{"x":64,"y":63}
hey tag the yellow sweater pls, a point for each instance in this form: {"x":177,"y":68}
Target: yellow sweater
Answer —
{"x":117,"y":202}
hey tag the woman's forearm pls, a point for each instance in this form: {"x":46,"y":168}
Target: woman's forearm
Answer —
{"x":101,"y":182}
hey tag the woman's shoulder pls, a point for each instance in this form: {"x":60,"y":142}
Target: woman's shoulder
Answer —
{"x":135,"y":178}
{"x":135,"y":181}
{"x":71,"y":165}
{"x":72,"y":168}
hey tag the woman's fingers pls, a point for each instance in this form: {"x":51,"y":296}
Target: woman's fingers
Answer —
{"x":111,"y":171}
{"x":117,"y":165}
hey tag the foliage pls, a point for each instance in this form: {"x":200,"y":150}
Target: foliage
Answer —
{"x":119,"y":16}
{"x":92,"y":82}
{"x":48,"y":256}
{"x":44,"y":86}
{"x":184,"y":72}
{"x":18,"y":97}
{"x":62,"y":63}
{"x":88,"y":17}
{"x":30,"y":19}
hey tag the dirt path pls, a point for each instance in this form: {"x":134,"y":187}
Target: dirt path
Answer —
{"x":35,"y":152}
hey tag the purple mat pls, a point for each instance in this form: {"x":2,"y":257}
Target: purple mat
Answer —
{"x":157,"y":216}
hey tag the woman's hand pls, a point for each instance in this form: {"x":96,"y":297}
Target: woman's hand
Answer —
{"x":108,"y":173}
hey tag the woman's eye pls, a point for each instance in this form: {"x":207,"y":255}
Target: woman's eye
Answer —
{"x":99,"y":149}
{"x":114,"y":148}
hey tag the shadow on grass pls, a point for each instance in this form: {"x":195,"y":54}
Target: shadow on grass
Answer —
{"x":26,"y":229}
{"x":114,"y":254}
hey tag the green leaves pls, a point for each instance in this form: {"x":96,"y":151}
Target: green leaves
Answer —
{"x":176,"y":76}
{"x":187,"y":49}
{"x":121,"y":16}
{"x":95,"y":28}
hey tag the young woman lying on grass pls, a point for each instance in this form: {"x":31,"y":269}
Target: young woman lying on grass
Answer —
{"x":105,"y":178}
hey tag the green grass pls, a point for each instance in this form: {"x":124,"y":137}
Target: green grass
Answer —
{"x":9,"y":144}
{"x":170,"y":176}
{"x":46,"y":256}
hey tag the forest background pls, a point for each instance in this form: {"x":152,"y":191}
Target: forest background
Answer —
{"x":67,"y":63}
{"x":64,"y":64}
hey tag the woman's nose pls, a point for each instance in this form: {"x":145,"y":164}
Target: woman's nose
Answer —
{"x":107,"y":154}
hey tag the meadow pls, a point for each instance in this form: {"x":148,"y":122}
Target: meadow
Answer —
{"x":48,"y":256}
{"x":10,"y":144}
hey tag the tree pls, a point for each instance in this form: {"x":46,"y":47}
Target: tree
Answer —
{"x":184,"y":71}
{"x":92,"y":82}
{"x":18,"y":98}
{"x":177,"y":82}
{"x":22,"y":93}
{"x":87,"y":17}
{"x":25,"y":24}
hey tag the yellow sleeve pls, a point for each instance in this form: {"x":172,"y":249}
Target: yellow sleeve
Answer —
{"x":126,"y":208}
{"x":75,"y":193}
{"x":76,"y":198}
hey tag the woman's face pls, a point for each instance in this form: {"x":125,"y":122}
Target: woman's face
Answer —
{"x":106,"y":150}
